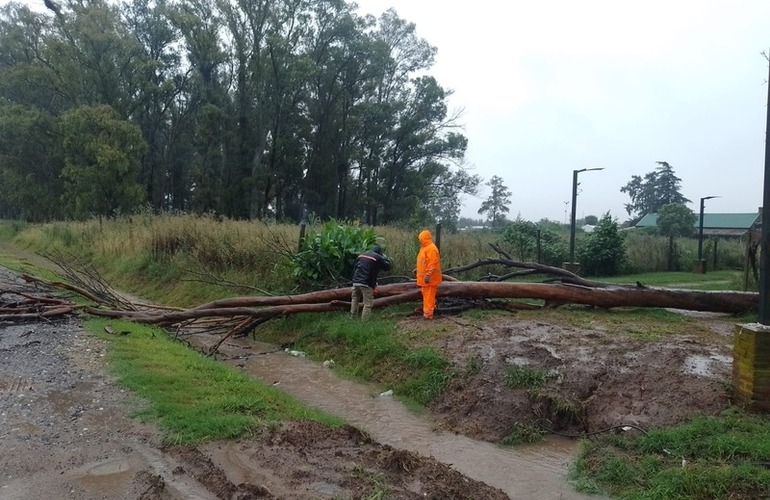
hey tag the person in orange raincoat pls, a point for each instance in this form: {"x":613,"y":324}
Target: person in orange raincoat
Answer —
{"x":428,"y":273}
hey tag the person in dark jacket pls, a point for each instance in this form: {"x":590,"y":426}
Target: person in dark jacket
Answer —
{"x":368,"y":265}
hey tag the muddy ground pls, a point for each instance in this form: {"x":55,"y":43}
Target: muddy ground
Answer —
{"x":66,"y":429}
{"x":598,"y":377}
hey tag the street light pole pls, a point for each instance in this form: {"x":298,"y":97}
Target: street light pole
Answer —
{"x":574,"y":210}
{"x":700,"y":228}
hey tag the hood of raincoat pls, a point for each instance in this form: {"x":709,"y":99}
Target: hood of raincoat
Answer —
{"x":425,"y":237}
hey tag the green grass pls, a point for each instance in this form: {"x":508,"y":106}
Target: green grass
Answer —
{"x":191,"y":397}
{"x":522,"y":433}
{"x":646,"y":324}
{"x":374,"y":351}
{"x":723,"y":457}
{"x":712,"y":280}
{"x":524,"y":377}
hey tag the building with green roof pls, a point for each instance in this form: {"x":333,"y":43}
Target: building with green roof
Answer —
{"x":716,"y":225}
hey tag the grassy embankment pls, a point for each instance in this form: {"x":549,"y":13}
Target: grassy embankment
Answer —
{"x":153,"y":257}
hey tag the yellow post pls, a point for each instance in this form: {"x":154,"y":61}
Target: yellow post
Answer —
{"x":751,"y":365}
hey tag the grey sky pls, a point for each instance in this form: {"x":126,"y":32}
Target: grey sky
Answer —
{"x":548,"y":87}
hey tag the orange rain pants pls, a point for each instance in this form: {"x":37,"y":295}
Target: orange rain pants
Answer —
{"x":428,"y":273}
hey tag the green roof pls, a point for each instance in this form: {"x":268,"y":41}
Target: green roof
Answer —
{"x":711,"y":221}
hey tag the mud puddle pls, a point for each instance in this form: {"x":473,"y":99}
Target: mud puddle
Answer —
{"x":537,"y":471}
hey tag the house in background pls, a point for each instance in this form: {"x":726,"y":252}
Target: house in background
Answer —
{"x":716,"y":225}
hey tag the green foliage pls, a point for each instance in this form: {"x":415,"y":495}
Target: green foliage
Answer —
{"x":522,"y":237}
{"x":30,"y":164}
{"x":675,"y":219}
{"x":523,"y":377}
{"x":602,"y":252}
{"x":658,"y":188}
{"x":373,"y":350}
{"x":496,"y":206}
{"x":327,"y":256}
{"x":443,"y":204}
{"x":718,"y":457}
{"x":192,"y":397}
{"x":240,"y":116}
{"x":101,"y":162}
{"x":522,"y":434}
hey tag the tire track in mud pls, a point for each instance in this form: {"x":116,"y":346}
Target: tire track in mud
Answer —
{"x":10,"y":390}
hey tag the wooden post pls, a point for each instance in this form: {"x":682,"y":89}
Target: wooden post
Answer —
{"x":438,"y":236}
{"x":714,"y":266}
{"x":301,"y":237}
{"x":746,"y":264}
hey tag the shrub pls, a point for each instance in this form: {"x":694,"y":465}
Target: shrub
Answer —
{"x":522,"y":237}
{"x":603,"y":252}
{"x":326,"y":257}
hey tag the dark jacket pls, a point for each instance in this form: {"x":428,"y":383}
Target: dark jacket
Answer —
{"x":368,"y":265}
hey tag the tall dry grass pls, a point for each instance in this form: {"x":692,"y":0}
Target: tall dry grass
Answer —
{"x":177,"y":246}
{"x":159,"y":251}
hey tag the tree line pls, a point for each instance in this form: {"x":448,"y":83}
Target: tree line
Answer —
{"x":251,"y":109}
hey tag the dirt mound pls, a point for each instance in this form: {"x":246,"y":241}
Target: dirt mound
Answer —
{"x":592,"y":378}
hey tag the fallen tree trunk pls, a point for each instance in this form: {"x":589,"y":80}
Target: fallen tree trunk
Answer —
{"x":237,"y":314}
{"x":388,"y":295}
{"x":608,"y":297}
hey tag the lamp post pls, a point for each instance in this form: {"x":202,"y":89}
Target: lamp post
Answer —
{"x":574,"y":207}
{"x":701,"y":265}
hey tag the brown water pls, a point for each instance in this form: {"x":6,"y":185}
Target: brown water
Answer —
{"x":537,"y":471}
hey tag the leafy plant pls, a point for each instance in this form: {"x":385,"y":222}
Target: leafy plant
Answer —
{"x":327,"y":257}
{"x":603,"y":252}
{"x":524,"y":236}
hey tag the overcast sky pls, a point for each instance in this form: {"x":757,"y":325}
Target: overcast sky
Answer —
{"x":549,"y":87}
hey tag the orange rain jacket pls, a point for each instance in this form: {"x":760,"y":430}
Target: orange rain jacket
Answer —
{"x":428,"y":261}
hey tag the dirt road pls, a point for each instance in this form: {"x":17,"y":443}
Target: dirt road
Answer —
{"x":66,"y":432}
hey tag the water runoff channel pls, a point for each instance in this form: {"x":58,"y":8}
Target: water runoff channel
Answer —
{"x":528,"y":472}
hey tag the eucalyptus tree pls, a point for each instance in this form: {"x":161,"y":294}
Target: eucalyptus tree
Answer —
{"x":30,"y":164}
{"x":164,"y":81}
{"x":30,"y":160}
{"x":416,"y":133}
{"x":28,"y":76}
{"x":96,"y":58}
{"x":205,"y":105}
{"x":336,"y":49}
{"x":442,"y":200}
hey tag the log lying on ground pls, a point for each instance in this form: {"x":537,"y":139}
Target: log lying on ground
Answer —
{"x":240,"y":315}
{"x":388,"y":295}
{"x":239,"y":311}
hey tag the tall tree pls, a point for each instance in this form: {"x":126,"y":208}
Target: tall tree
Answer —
{"x":30,"y":164}
{"x":164,"y":80}
{"x":675,"y":220}
{"x":248,"y":108}
{"x":101,"y":162}
{"x":496,"y":206}
{"x":658,"y":188}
